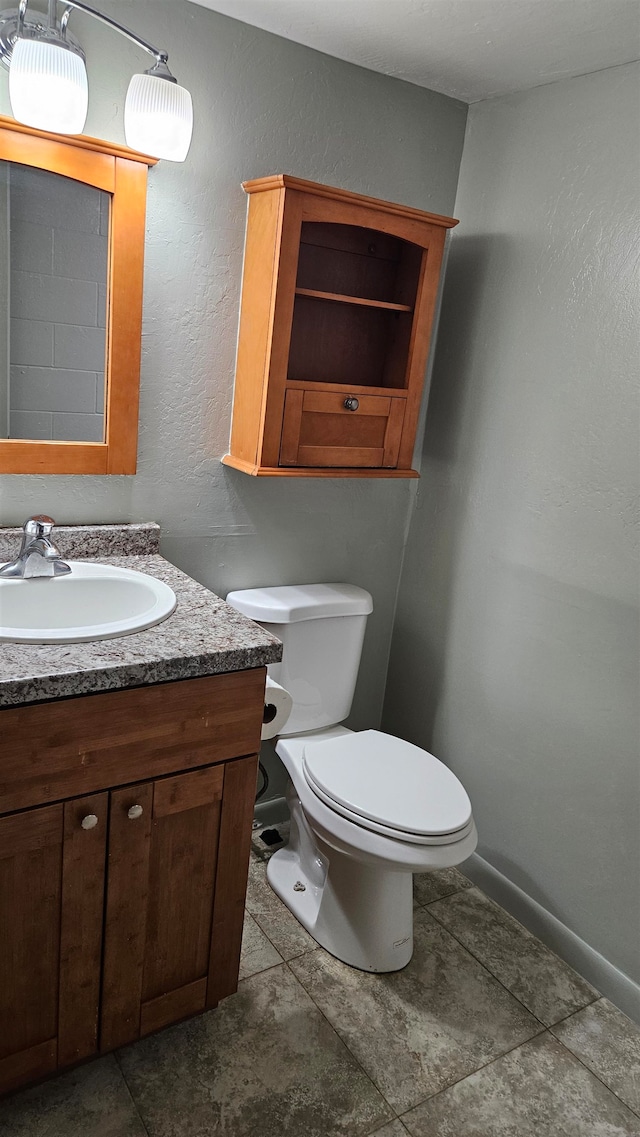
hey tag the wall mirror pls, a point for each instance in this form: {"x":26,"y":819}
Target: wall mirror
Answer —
{"x":72,"y":216}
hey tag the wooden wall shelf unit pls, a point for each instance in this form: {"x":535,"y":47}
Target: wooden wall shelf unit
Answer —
{"x":124,"y":849}
{"x":338,"y":299}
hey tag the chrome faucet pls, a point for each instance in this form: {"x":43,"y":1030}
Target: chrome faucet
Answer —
{"x":38,"y":555}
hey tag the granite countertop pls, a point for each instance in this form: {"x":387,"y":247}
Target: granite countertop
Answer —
{"x":204,"y":636}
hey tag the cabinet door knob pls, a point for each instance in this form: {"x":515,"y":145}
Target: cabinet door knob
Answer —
{"x":134,"y":811}
{"x":351,"y":403}
{"x":89,"y":822}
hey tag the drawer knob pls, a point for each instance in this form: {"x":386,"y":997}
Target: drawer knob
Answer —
{"x":134,"y":811}
{"x":89,"y":822}
{"x":351,"y":403}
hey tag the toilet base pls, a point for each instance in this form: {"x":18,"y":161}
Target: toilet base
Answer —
{"x":361,"y":914}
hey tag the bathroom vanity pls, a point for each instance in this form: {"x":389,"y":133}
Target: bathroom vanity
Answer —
{"x":127,"y":783}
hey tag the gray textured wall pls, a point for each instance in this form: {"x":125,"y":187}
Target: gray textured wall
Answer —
{"x":263,"y":105}
{"x":515,"y":654}
{"x":58,"y":233}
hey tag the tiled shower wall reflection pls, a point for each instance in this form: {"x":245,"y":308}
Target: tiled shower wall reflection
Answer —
{"x":58,"y":239}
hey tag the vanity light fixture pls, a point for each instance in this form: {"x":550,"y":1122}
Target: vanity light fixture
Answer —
{"x":48,"y":85}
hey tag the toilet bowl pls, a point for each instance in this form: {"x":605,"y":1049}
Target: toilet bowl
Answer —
{"x":367,"y":809}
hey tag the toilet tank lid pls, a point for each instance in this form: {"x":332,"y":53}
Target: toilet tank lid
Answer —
{"x":287,"y":604}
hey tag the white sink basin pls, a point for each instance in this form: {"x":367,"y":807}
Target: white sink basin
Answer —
{"x":94,"y":602}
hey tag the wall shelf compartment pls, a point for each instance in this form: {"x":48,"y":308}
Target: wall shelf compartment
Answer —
{"x":353,"y":300}
{"x":338,"y":299}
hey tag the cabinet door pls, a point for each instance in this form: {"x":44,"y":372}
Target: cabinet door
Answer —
{"x":163,"y":848}
{"x":51,"y":905}
{"x":326,"y":428}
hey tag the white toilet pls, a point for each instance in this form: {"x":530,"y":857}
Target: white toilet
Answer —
{"x":367,"y":809}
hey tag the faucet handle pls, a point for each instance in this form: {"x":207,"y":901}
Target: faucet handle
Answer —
{"x":38,"y":526}
{"x":38,"y":555}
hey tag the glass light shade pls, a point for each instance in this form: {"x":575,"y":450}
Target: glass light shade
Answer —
{"x":48,"y":86}
{"x":158,"y":117}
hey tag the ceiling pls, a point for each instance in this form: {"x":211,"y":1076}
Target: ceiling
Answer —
{"x":468,"y":49}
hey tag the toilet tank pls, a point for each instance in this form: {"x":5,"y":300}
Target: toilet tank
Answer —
{"x":322,"y":628}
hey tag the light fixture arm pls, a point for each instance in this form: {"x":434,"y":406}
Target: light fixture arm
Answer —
{"x":22,"y":11}
{"x":161,"y":57}
{"x":48,"y":86}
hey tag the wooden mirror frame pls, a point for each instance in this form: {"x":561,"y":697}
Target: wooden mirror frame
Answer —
{"x":123,"y":174}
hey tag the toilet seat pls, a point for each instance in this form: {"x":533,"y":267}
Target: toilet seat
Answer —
{"x":389,"y":786}
{"x":388,"y":831}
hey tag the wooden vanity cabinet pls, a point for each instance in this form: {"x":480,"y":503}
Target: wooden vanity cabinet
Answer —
{"x":121,"y":910}
{"x":51,"y":901}
{"x":338,"y":300}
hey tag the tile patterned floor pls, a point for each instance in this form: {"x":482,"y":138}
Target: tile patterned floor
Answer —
{"x":485,"y":1034}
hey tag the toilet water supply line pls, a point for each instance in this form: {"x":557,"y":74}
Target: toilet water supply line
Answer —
{"x":265,"y":782}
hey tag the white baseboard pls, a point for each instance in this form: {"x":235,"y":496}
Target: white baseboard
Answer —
{"x":617,"y":986}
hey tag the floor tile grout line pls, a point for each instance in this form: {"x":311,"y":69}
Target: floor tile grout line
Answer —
{"x":130,"y":1092}
{"x":545,"y":1028}
{"x":262,"y":971}
{"x":430,"y":1097}
{"x":426,"y":903}
{"x":511,"y":1050}
{"x":273,"y":945}
{"x":376,"y":1132}
{"x":536,"y":1035}
{"x":404,"y":1128}
{"x":266,"y":936}
{"x":490,"y":972}
{"x":464,"y":888}
{"x":486,"y":967}
{"x":368,"y":1076}
{"x":357,"y":1061}
{"x":528,"y":933}
{"x":594,"y":1073}
{"x":399,"y":1116}
{"x":472,"y":1073}
{"x":579,"y":1011}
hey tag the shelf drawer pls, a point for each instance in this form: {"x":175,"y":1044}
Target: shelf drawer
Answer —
{"x":319,"y":429}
